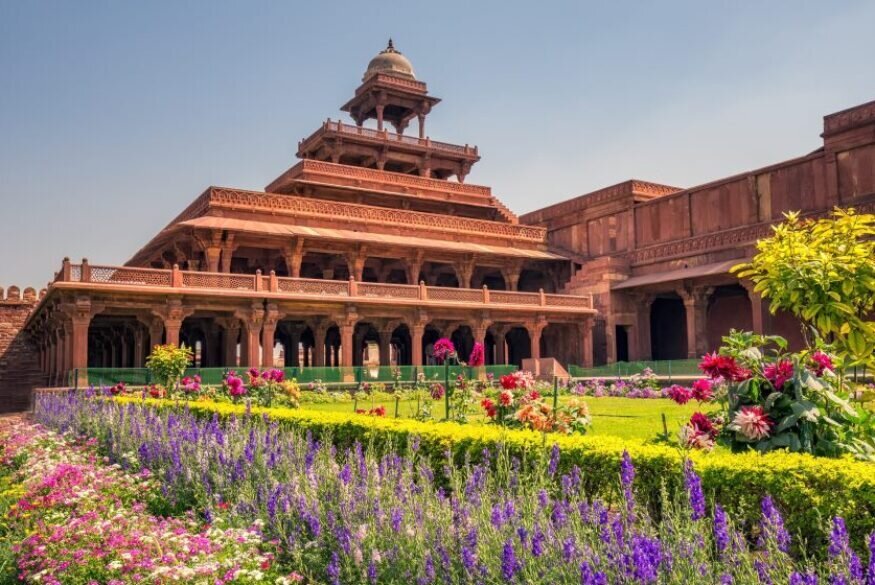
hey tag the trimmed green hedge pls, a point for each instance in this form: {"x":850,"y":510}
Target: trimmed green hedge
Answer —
{"x":808,"y":490}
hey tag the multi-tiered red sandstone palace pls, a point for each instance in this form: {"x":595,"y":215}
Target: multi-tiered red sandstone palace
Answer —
{"x":375,"y":240}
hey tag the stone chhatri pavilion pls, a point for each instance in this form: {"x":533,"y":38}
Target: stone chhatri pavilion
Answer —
{"x":370,"y":248}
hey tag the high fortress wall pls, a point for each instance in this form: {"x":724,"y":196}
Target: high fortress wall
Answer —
{"x":657,"y":258}
{"x":373,"y":246}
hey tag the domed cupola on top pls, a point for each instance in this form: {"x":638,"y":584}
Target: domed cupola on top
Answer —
{"x":391,"y":95}
{"x":390,"y":61}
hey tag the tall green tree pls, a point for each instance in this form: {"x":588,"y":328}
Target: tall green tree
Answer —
{"x":823,"y":272}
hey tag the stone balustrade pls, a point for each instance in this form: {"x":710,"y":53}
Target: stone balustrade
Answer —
{"x":307,"y":288}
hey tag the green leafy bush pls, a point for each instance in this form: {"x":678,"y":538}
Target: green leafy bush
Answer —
{"x":167,"y":363}
{"x":823,"y":272}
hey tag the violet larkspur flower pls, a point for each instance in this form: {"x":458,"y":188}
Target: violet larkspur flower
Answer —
{"x":509,"y":563}
{"x":627,"y":471}
{"x":554,"y":460}
{"x":693,"y":483}
{"x":803,"y":578}
{"x":333,"y":569}
{"x":773,"y":526}
{"x":721,"y":529}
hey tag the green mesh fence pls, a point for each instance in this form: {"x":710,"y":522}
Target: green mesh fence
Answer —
{"x":304,"y":375}
{"x":663,"y":368}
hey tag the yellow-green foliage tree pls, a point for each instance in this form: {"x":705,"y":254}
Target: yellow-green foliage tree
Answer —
{"x":168,"y":363}
{"x":823,"y":272}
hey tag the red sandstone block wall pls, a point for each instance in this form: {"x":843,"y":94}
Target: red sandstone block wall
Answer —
{"x":19,"y":361}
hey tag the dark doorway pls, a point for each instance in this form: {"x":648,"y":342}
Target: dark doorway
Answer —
{"x":622,"y":343}
{"x":668,"y":329}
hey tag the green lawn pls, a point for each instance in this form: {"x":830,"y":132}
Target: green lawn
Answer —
{"x":627,"y":418}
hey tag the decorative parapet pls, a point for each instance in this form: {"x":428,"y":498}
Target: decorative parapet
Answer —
{"x":850,"y":118}
{"x":217,"y":197}
{"x":399,"y":180}
{"x":331,"y":127}
{"x":620,"y":190}
{"x":145,"y":280}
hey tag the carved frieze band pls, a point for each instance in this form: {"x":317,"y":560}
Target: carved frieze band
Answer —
{"x":717,"y":241}
{"x":331,"y":209}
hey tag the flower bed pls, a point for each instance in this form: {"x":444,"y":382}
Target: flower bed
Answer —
{"x":808,"y":489}
{"x":641,"y":385}
{"x":356,"y":515}
{"x":81,"y":520}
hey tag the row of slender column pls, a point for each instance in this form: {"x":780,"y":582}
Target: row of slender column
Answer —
{"x":695,"y":300}
{"x":64,"y":349}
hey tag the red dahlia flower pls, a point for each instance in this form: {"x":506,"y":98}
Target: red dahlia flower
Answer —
{"x":703,"y":424}
{"x":822,"y":362}
{"x":703,"y":390}
{"x":489,"y":406}
{"x":680,"y":394}
{"x":779,"y":373}
{"x":722,"y":366}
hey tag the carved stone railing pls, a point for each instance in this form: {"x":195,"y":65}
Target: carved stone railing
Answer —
{"x":384,"y":136}
{"x":272,"y":286}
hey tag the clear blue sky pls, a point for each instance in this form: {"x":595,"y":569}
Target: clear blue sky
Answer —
{"x":115,"y":115}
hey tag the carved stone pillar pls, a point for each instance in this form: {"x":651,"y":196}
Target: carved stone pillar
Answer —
{"x":385,"y":346}
{"x":228,"y":249}
{"x":356,"y":262}
{"x":464,"y":271}
{"x":696,"y":306}
{"x":212,"y":254}
{"x":172,"y":314}
{"x":498,"y":334}
{"x":293,"y":255}
{"x":75,"y":341}
{"x":511,"y":274}
{"x":639,"y":340}
{"x":586,"y":342}
{"x":756,"y":307}
{"x":268,"y":332}
{"x":139,"y":346}
{"x":417,"y":330}
{"x":319,"y":331}
{"x":535,"y":329}
{"x":413,"y":266}
{"x":347,"y":331}
{"x":347,"y":325}
{"x":251,"y":321}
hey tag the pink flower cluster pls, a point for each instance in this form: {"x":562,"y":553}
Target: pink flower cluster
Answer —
{"x":442,"y":349}
{"x":702,"y":390}
{"x":86,"y":522}
{"x":234,"y":385}
{"x":477,"y":357}
{"x":191,"y":384}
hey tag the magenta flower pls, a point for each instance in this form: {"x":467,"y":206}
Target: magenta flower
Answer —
{"x":703,"y":390}
{"x":477,"y":357}
{"x":779,"y":373}
{"x":680,"y":394}
{"x":822,"y":362}
{"x":442,"y":349}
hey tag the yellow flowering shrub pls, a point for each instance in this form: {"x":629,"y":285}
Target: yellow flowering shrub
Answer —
{"x":809,"y":490}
